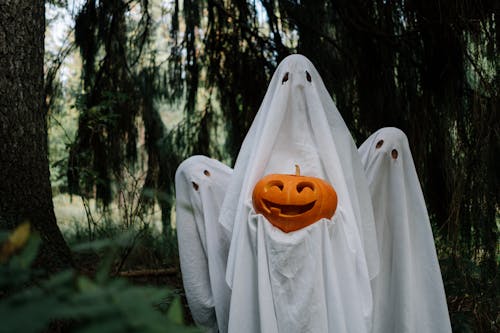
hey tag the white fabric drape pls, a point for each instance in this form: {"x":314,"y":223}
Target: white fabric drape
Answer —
{"x":203,"y":245}
{"x":316,"y":279}
{"x":408,"y":291}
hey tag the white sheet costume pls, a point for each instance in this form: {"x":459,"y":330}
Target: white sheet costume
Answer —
{"x":316,"y":279}
{"x":203,"y":246}
{"x":408,"y":291}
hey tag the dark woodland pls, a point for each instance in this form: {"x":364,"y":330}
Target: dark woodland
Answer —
{"x":429,"y":68}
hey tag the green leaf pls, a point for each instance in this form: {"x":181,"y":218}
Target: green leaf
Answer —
{"x":59,"y":279}
{"x":85,"y":284}
{"x":109,"y":325}
{"x":30,"y":315}
{"x":175,"y":313}
{"x":24,"y":259}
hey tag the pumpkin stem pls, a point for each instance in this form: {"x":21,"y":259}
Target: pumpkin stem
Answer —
{"x":297,"y":170}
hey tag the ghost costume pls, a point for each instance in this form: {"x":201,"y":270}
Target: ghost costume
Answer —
{"x":203,"y":246}
{"x":316,"y":279}
{"x":408,"y":291}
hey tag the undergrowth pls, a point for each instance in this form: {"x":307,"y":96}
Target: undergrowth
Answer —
{"x":70,"y":301}
{"x":472,"y":292}
{"x":95,"y":298}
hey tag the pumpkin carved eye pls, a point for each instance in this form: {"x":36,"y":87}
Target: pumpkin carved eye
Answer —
{"x":304,"y":185}
{"x":308,"y":76}
{"x":278,"y":184}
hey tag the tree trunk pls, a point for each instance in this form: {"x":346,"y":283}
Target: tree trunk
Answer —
{"x":25,"y":190}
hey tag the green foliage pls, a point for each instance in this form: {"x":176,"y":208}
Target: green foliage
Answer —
{"x":143,"y":247}
{"x":472,"y":292}
{"x":30,"y":303}
{"x":16,"y":271}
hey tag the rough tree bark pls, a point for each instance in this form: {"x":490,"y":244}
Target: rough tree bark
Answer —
{"x":25,"y":191}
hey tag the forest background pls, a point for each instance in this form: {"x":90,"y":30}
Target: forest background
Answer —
{"x":133,"y":87}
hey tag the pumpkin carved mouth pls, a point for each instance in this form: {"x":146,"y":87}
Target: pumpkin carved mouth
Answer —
{"x":287,"y":210}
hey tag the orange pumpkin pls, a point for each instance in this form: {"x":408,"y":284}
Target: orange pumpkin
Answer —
{"x":292,"y":202}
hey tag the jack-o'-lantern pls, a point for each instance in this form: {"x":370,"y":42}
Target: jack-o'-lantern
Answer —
{"x":292,"y":202}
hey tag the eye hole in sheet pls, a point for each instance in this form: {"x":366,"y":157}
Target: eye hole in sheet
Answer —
{"x":195,"y":186}
{"x":394,"y":154}
{"x":285,"y":78}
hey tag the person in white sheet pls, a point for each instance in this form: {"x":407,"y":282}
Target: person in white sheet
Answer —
{"x":200,"y":184}
{"x":408,"y":291}
{"x":316,"y":279}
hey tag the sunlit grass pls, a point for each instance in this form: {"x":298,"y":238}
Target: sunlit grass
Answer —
{"x":72,"y":216}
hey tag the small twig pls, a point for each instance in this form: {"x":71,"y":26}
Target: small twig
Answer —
{"x":127,"y":252}
{"x":149,"y":272}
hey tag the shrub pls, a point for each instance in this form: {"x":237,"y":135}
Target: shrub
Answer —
{"x":30,"y":302}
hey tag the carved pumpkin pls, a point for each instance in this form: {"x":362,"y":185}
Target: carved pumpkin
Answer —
{"x":292,"y":202}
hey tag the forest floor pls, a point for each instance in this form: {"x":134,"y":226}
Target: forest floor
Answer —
{"x":148,"y":258}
